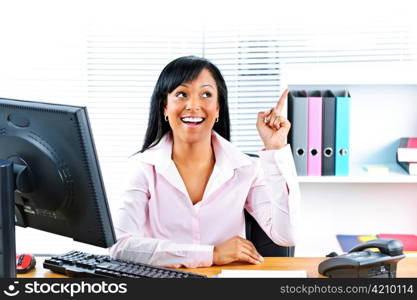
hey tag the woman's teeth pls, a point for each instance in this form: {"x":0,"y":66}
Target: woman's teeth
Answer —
{"x":192,"y":120}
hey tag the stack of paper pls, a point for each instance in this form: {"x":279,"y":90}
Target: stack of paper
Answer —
{"x":347,"y":242}
{"x":262,"y":274}
{"x":407,"y":154}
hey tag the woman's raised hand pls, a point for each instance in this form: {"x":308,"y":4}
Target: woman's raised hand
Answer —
{"x":272,"y":127}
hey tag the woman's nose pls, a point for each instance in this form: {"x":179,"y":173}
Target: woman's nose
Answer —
{"x":193,"y":103}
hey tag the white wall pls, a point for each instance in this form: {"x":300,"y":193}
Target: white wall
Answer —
{"x":353,"y":208}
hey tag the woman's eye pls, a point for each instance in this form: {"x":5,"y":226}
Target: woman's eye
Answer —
{"x":206,"y":95}
{"x":180,"y":95}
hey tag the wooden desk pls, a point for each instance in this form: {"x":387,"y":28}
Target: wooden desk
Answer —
{"x":407,"y":267}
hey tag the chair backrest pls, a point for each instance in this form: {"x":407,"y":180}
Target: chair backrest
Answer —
{"x":261,"y":241}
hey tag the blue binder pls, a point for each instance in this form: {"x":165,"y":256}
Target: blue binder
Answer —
{"x":342,"y":134}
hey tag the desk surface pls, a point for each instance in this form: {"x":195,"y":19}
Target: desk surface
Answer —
{"x":407,"y":267}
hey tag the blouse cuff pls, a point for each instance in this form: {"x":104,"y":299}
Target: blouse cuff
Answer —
{"x":278,"y":162}
{"x":203,"y":254}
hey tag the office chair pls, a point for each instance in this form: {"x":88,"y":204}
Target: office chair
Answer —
{"x":261,"y":241}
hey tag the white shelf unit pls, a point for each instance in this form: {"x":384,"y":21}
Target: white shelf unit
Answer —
{"x":359,"y":175}
{"x":363,"y":203}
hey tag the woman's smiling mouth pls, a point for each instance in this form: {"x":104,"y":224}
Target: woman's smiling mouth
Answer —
{"x":192,"y":122}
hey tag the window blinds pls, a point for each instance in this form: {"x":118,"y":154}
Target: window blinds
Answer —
{"x":251,"y":59}
{"x":122,"y":72}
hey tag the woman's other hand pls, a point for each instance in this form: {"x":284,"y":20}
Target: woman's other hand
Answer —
{"x":235,"y":249}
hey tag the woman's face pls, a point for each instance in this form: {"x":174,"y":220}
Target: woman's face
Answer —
{"x":192,"y":108}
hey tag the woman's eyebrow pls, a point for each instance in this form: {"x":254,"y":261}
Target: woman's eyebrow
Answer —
{"x":204,"y":85}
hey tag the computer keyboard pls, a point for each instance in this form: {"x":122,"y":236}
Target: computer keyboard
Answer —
{"x":81,"y":264}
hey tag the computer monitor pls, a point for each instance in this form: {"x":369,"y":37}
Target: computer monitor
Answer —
{"x":49,"y":169}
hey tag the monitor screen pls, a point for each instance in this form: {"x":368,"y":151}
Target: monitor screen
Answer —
{"x":59,"y":187}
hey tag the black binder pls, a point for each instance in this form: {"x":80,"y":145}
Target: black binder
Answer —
{"x":328,"y":134}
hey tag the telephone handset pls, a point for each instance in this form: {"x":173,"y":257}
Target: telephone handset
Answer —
{"x":362,"y":262}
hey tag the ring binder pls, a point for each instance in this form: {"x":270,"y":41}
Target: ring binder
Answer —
{"x":314,"y":133}
{"x":328,"y":134}
{"x":342,"y":134}
{"x":297,"y":138}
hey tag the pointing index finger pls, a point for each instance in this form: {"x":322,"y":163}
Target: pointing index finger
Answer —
{"x":281,"y":101}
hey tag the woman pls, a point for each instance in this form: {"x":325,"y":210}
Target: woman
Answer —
{"x":188,"y":188}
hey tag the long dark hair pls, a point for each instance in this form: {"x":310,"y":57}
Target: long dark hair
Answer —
{"x":182,"y":70}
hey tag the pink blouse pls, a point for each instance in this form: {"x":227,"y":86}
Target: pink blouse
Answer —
{"x":158,"y":224}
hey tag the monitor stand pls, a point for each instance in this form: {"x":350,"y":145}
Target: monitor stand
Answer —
{"x":7,"y":220}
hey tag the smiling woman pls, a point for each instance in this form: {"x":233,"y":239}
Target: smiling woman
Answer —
{"x":188,"y":177}
{"x":192,"y":109}
{"x":188,"y":87}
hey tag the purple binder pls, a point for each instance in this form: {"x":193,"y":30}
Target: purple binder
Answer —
{"x":314,"y":134}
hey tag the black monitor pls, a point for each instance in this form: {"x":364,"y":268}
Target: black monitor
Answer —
{"x":50,"y":177}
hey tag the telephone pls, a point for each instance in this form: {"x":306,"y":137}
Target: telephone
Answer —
{"x":359,"y":262}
